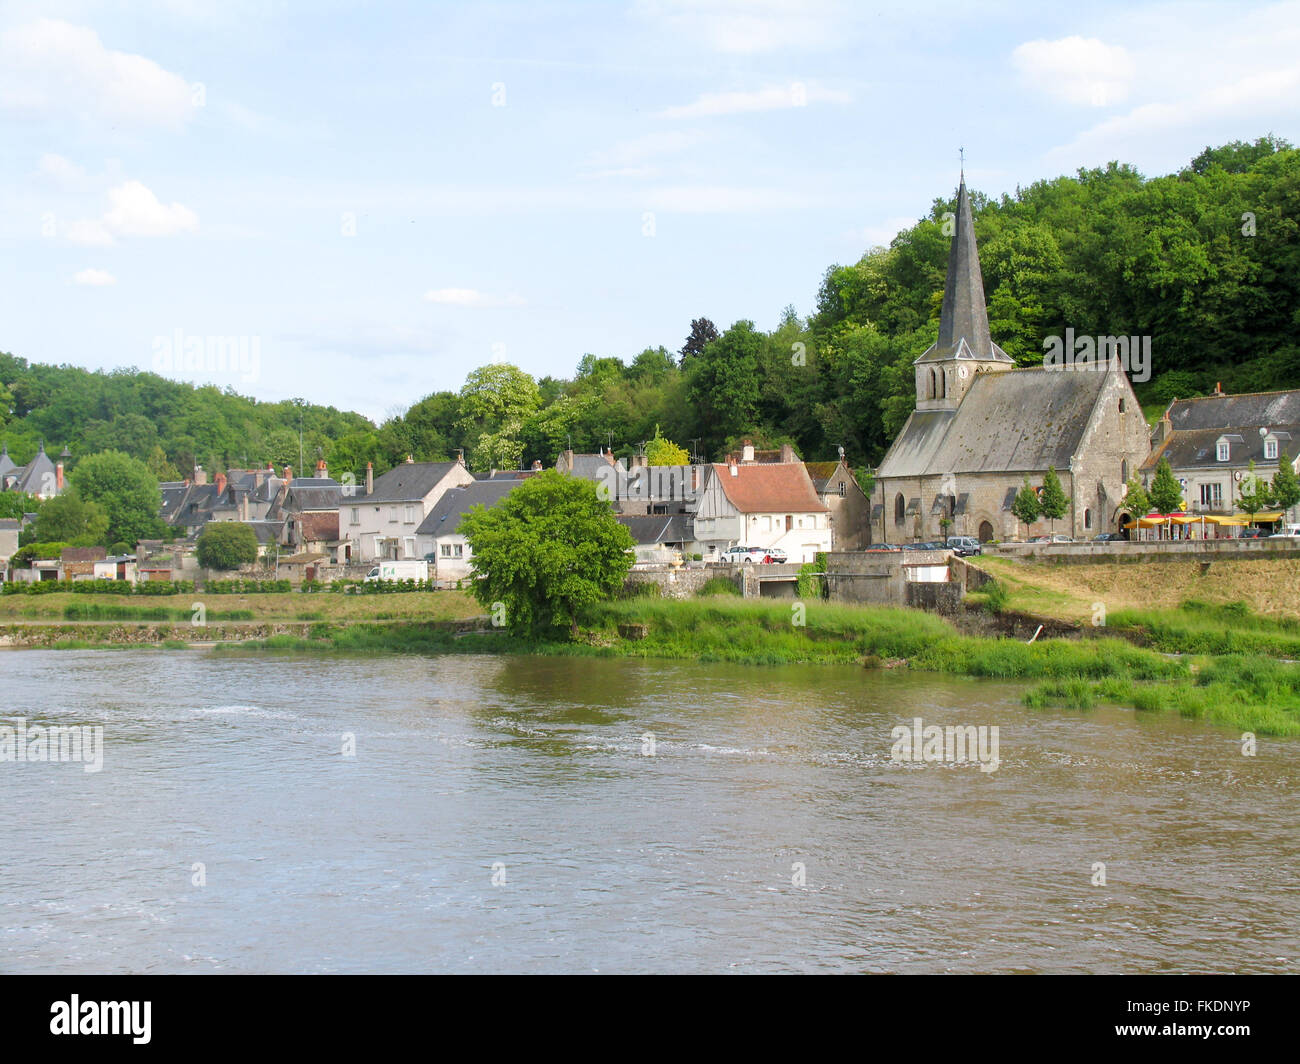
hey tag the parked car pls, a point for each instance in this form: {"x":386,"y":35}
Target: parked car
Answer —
{"x":964,"y":546}
{"x":745,"y":555}
{"x":1253,"y":532}
{"x":1109,"y":537}
{"x":927,"y":545}
{"x":1055,"y":537}
{"x":776,"y":555}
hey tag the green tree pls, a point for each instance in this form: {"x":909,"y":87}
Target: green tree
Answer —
{"x":226,"y":545}
{"x":662,"y":452}
{"x":70,"y":518}
{"x":125,"y":490}
{"x":546,"y":551}
{"x":1025,"y":508}
{"x":703,"y":333}
{"x":1253,"y":494}
{"x":1166,"y":493}
{"x":1286,"y":485}
{"x":1136,"y":500}
{"x":1052,"y":503}
{"x":13,"y":504}
{"x":494,"y":403}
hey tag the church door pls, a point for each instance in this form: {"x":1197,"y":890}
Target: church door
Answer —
{"x":986,"y":532}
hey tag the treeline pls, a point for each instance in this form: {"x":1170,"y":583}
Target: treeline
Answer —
{"x":1205,"y":261}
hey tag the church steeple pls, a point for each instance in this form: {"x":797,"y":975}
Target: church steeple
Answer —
{"x":965,"y":346}
{"x":964,"y":315}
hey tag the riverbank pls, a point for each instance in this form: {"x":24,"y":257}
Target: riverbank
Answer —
{"x":1243,"y":691}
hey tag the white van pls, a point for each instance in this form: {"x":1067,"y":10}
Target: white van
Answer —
{"x":1289,"y":531}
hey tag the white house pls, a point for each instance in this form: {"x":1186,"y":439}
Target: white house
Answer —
{"x":439,"y":534}
{"x":770,"y":505}
{"x":383,"y":522}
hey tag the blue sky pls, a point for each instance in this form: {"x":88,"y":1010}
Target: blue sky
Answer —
{"x":377,"y":199}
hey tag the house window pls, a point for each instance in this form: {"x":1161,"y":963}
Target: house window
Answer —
{"x":1270,"y":450}
{"x":410,"y":515}
{"x":841,"y":486}
{"x":1212,"y":495}
{"x":410,"y":546}
{"x":1121,"y":406}
{"x":392,"y":513}
{"x":1123,"y":471}
{"x":356,"y":515}
{"x":1223,"y":451}
{"x":1087,"y":518}
{"x":789,"y":522}
{"x":457,"y":550}
{"x":445,"y":550}
{"x":899,"y":504}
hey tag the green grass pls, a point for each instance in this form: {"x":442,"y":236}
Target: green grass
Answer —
{"x":112,"y":611}
{"x":1205,"y":628}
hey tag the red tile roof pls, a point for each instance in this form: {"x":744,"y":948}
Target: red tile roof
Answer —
{"x":769,"y":488}
{"x":314,"y":527}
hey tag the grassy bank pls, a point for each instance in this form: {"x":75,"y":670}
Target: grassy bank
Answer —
{"x":1230,"y":689}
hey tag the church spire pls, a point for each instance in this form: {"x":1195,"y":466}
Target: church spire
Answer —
{"x":965,"y":315}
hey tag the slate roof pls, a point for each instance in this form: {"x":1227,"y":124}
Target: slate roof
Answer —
{"x":314,"y":493}
{"x":7,"y":464}
{"x":408,"y":482}
{"x":10,"y":525}
{"x":444,"y":518}
{"x":964,"y":318}
{"x":590,"y":466}
{"x":769,"y":488}
{"x":37,"y":476}
{"x":265,"y":531}
{"x":1020,"y":420}
{"x":1199,"y":423}
{"x":647,"y":530}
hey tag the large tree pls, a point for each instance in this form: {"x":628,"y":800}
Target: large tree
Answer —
{"x":1286,"y":485}
{"x":1166,"y":493}
{"x":126,"y":491}
{"x":703,"y":333}
{"x":226,"y":545}
{"x":70,"y":518}
{"x":546,"y":551}
{"x":1025,"y":508}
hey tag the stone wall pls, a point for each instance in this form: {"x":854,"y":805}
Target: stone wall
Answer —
{"x":1156,"y":551}
{"x":685,"y":582}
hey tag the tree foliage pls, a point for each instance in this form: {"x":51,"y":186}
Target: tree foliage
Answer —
{"x":546,"y":551}
{"x":226,"y":545}
{"x":1166,"y":493}
{"x":1052,"y":502}
{"x":1025,"y":507}
{"x":1286,"y":485}
{"x":125,"y":490}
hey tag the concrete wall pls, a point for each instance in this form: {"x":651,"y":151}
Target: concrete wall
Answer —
{"x":1125,"y":553}
{"x":684,"y":583}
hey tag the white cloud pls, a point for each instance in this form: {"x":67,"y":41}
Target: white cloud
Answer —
{"x":1079,"y":70}
{"x":771,"y":98}
{"x":469,"y":297}
{"x":748,"y":27}
{"x":51,"y":67}
{"x":60,"y":171}
{"x":94,"y":278}
{"x":133,"y":210}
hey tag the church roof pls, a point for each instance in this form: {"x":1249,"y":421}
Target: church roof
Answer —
{"x":1020,"y":420}
{"x":964,"y":318}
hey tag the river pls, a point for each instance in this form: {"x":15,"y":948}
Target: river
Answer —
{"x":591,"y":815}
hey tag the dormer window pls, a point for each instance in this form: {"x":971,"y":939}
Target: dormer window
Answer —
{"x":1270,"y":450}
{"x":1223,"y":451}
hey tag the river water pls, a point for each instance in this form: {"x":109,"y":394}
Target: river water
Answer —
{"x":589,"y":815}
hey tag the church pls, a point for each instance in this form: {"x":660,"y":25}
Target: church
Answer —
{"x":981,"y":426}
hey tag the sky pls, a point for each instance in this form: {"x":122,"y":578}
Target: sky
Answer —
{"x":360,"y":203}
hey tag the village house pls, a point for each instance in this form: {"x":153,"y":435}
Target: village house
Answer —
{"x":41,"y":477}
{"x":439,"y":537}
{"x":1211,"y":442}
{"x":770,"y":505}
{"x":9,"y":530}
{"x":839,"y":491}
{"x":981,"y":427}
{"x":383,"y":522}
{"x":662,"y":538}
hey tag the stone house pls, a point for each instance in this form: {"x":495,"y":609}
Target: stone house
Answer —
{"x":850,"y":508}
{"x":769,"y":505}
{"x":1211,"y":442}
{"x":383,"y":522}
{"x":439,"y":533}
{"x":981,"y":426}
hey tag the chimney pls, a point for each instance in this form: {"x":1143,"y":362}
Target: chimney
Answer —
{"x":200,"y":474}
{"x":640,"y":461}
{"x":220,"y":481}
{"x":460,"y":455}
{"x":568,"y":460}
{"x":747,"y":452}
{"x":731,"y":464}
{"x":370,"y":478}
{"x":695,"y":478}
{"x":58,"y":478}
{"x":322,"y":471}
{"x":288,"y":472}
{"x":787,"y":453}
{"x":537,"y":465}
{"x":1218,"y":387}
{"x":410,"y":460}
{"x":243,"y":507}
